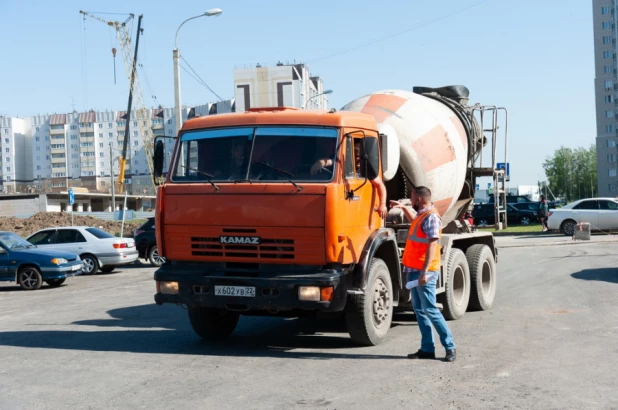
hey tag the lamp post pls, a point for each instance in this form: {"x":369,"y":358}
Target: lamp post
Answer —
{"x":176,"y":54}
{"x":317,"y":95}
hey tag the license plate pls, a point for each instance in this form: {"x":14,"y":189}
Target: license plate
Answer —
{"x":74,"y":268}
{"x":242,"y":291}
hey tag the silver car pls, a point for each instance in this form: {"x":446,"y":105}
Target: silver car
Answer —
{"x":96,"y":248}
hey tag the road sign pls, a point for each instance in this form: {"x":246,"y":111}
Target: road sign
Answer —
{"x":507,"y":168}
{"x":71,"y":196}
{"x":478,"y":187}
{"x":488,"y":185}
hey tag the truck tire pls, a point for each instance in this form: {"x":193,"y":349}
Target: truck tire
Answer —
{"x":211,"y":323}
{"x":483,"y":277}
{"x":456,"y":296}
{"x":369,"y":316}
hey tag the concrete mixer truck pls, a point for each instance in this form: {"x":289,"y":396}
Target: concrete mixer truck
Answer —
{"x":249,"y":225}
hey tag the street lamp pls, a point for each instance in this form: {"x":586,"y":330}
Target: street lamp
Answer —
{"x":176,"y":54}
{"x":317,"y":95}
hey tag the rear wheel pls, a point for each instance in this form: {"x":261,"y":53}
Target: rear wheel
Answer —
{"x":91,"y":265}
{"x":154,"y":257}
{"x":482,"y":277}
{"x":54,"y":283}
{"x":568,"y":227}
{"x":29,"y":278}
{"x":456,"y":296}
{"x":211,"y":323}
{"x":525,"y":220}
{"x":369,"y":316}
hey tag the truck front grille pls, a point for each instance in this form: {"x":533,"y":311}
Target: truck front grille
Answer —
{"x":267,"y":249}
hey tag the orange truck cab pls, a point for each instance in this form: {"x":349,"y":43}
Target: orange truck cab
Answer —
{"x":251,"y":222}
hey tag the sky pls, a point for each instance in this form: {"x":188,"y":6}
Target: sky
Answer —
{"x":534,"y":57}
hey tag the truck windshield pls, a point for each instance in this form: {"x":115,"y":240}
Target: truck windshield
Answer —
{"x":266,"y":154}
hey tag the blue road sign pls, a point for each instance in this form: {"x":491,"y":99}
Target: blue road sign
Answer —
{"x":489,"y":185}
{"x":478,"y":187}
{"x":502,"y":165}
{"x":71,"y":197}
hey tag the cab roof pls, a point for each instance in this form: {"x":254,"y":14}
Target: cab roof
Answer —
{"x":284,"y":116}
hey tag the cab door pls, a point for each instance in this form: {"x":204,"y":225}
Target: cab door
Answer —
{"x":361,"y":198}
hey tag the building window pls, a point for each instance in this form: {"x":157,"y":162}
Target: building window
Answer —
{"x":136,"y":143}
{"x":74,"y":136}
{"x":6,"y":130}
{"x":607,"y":40}
{"x":135,"y":123}
{"x":100,"y":135}
{"x":7,"y":150}
{"x":606,"y":25}
{"x":37,"y":139}
{"x":100,"y":125}
{"x":609,"y":98}
{"x":607,"y":54}
{"x":609,"y":128}
{"x":38,"y":167}
{"x":100,"y":145}
{"x":73,"y":127}
{"x":37,"y":129}
{"x":110,"y":134}
{"x":608,"y":84}
{"x":102,"y":163}
{"x":608,"y":69}
{"x":605,"y":10}
{"x":135,"y":133}
{"x":121,"y":133}
{"x":610,"y":143}
{"x":609,"y":114}
{"x":8,"y":169}
{"x":101,"y":154}
{"x":7,"y":159}
{"x":611,"y":157}
{"x":169,"y":121}
{"x":612,"y":187}
{"x":611,"y":172}
{"x":6,"y":140}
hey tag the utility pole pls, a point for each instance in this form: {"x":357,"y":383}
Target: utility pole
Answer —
{"x":111,"y":163}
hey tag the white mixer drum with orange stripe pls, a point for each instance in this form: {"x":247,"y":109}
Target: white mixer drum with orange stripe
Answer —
{"x":432,"y":139}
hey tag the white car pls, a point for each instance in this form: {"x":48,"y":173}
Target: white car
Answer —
{"x":600,"y":213}
{"x":96,"y":248}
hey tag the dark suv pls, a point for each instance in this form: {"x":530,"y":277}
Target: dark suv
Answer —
{"x":146,"y":243}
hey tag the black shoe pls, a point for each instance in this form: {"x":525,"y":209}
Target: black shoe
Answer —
{"x":450,"y":356}
{"x":422,"y":355}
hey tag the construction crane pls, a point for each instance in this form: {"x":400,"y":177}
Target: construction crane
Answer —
{"x":135,"y":92}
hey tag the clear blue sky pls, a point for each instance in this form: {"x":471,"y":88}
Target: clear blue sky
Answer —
{"x":533,"y":57}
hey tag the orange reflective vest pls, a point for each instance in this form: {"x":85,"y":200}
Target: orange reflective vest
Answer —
{"x":417,"y":244}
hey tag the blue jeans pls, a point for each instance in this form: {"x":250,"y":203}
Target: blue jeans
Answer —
{"x":427,"y":313}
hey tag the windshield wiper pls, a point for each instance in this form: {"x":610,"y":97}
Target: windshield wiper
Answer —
{"x":207,"y":175}
{"x":283,"y":172}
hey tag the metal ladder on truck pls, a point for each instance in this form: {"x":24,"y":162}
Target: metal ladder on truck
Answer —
{"x":489,"y":121}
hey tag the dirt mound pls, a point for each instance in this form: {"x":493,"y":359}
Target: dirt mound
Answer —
{"x":42,"y":220}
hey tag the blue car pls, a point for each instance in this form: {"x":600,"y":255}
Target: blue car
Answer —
{"x":23,"y":262}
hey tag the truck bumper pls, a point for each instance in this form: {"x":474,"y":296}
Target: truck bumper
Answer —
{"x":274,"y":292}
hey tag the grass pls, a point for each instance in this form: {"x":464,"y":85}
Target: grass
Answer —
{"x":532,"y":228}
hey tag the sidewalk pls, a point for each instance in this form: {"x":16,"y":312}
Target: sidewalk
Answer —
{"x":504,"y":240}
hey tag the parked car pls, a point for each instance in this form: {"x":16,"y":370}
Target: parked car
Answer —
{"x":30,"y":266}
{"x":600,"y":213}
{"x":528,"y":212}
{"x":483,"y":215}
{"x":146,"y":243}
{"x":96,"y":248}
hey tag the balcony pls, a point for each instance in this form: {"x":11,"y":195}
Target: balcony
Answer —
{"x":60,"y":131}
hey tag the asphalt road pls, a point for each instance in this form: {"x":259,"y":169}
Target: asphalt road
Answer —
{"x":100,"y":342}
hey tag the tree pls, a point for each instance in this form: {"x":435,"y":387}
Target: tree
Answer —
{"x":572,"y":173}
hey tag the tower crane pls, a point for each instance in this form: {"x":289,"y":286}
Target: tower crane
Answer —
{"x":135,"y":92}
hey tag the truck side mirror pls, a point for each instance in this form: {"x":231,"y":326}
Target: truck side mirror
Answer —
{"x":158,"y":158}
{"x":371,"y":149}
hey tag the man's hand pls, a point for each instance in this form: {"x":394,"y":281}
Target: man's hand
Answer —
{"x":396,"y":204}
{"x":382,"y":211}
{"x":423,"y":279}
{"x":317,"y":166}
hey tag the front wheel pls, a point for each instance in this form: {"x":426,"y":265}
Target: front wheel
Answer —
{"x":568,"y":227}
{"x":369,"y":316}
{"x":525,"y":220}
{"x":54,"y":283}
{"x":91,"y":265}
{"x":211,"y":323}
{"x":29,"y":278}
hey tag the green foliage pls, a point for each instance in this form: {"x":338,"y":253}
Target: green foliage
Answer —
{"x":572,"y":173}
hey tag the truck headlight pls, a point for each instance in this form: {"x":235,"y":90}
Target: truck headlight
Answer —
{"x":59,"y":261}
{"x":309,"y":293}
{"x":167,"y":288}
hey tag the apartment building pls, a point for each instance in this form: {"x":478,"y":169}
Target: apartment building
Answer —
{"x":606,"y":85}
{"x":289,"y":85}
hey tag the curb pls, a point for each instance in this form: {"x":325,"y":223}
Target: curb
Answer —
{"x":530,"y":245}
